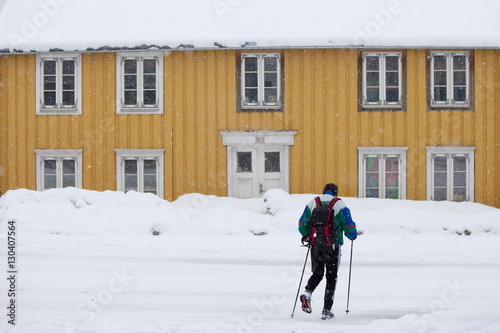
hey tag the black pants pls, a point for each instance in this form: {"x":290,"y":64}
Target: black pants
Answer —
{"x":322,"y":257}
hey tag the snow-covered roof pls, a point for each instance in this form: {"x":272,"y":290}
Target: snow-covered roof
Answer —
{"x":42,"y":25}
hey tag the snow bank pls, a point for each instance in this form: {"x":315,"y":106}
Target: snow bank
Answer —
{"x":82,"y":220}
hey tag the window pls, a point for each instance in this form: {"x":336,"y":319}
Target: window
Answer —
{"x":382,"y":172}
{"x":450,"y":173}
{"x":58,"y":168}
{"x":450,"y":79}
{"x":58,"y":84}
{"x":382,"y":80}
{"x":140,"y":83}
{"x":260,"y":81}
{"x":140,"y":170}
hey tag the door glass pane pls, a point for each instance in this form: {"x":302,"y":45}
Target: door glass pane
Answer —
{"x":272,"y":161}
{"x":244,"y":161}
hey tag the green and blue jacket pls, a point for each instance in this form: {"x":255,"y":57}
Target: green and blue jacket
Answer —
{"x":344,"y":225}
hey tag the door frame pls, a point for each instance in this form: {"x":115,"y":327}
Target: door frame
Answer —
{"x":235,"y":140}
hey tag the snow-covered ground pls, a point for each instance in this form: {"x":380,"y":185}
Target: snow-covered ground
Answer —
{"x":90,"y":261}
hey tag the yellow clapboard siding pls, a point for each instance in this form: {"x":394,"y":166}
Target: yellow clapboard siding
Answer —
{"x":200,"y":96}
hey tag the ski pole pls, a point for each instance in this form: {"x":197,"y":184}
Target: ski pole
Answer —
{"x":349,"y":285}
{"x":300,"y":283}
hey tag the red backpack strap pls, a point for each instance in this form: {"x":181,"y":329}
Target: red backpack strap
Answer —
{"x":333,"y":202}
{"x":318,"y":201}
{"x":333,"y":239}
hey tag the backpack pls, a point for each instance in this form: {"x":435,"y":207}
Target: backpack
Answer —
{"x":323,"y":231}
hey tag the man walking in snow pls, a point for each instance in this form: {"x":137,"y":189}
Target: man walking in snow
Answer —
{"x":322,"y":229}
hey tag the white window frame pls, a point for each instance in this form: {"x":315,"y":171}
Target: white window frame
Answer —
{"x":450,"y":102}
{"x":141,"y":155}
{"x":58,"y":109}
{"x":139,"y":108}
{"x":382,"y":152}
{"x":450,"y":152}
{"x":59,"y":155}
{"x":261,"y":104}
{"x":382,"y":81}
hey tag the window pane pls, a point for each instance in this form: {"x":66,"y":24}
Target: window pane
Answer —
{"x":68,"y":67}
{"x":440,"y":163}
{"x":392,"y":79}
{"x":68,"y":98}
{"x":150,"y":184}
{"x":392,"y":95}
{"x":459,"y":163}
{"x":130,"y":81}
{"x":68,"y":83}
{"x":460,"y":94}
{"x":440,"y":94}
{"x":459,"y":179}
{"x":372,"y":177}
{"x":149,"y":66}
{"x":372,"y":193}
{"x":372,"y":63}
{"x":69,"y":180}
{"x":149,"y":81}
{"x":392,"y":193}
{"x":49,"y":67}
{"x":49,"y":174}
{"x":250,"y":64}
{"x":440,"y":194}
{"x":150,"y":97}
{"x":49,"y":82}
{"x":270,"y":64}
{"x":440,"y":78}
{"x":372,"y":79}
{"x":150,"y":167}
{"x":439,"y":62}
{"x":272,"y":161}
{"x":392,"y":63}
{"x":459,"y":78}
{"x":251,"y":80}
{"x":130,"y":167}
{"x":391,"y":164}
{"x":270,"y":80}
{"x":49,"y":167}
{"x":131,"y":98}
{"x":50,"y":181}
{"x":69,"y":167}
{"x":271,"y":96}
{"x":372,"y":164}
{"x":459,"y":62}
{"x":150,"y":176}
{"x":459,"y":194}
{"x":251,"y":96}
{"x":244,"y":161}
{"x":130,"y":183}
{"x":130,"y":66}
{"x":372,"y":95}
{"x":49,"y":98}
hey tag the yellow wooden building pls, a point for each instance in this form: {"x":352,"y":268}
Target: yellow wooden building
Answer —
{"x":418,"y":123}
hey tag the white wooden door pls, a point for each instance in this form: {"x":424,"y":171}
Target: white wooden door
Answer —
{"x":257,"y":169}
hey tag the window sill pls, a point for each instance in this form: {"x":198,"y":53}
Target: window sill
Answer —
{"x":139,"y":111}
{"x":51,"y":112}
